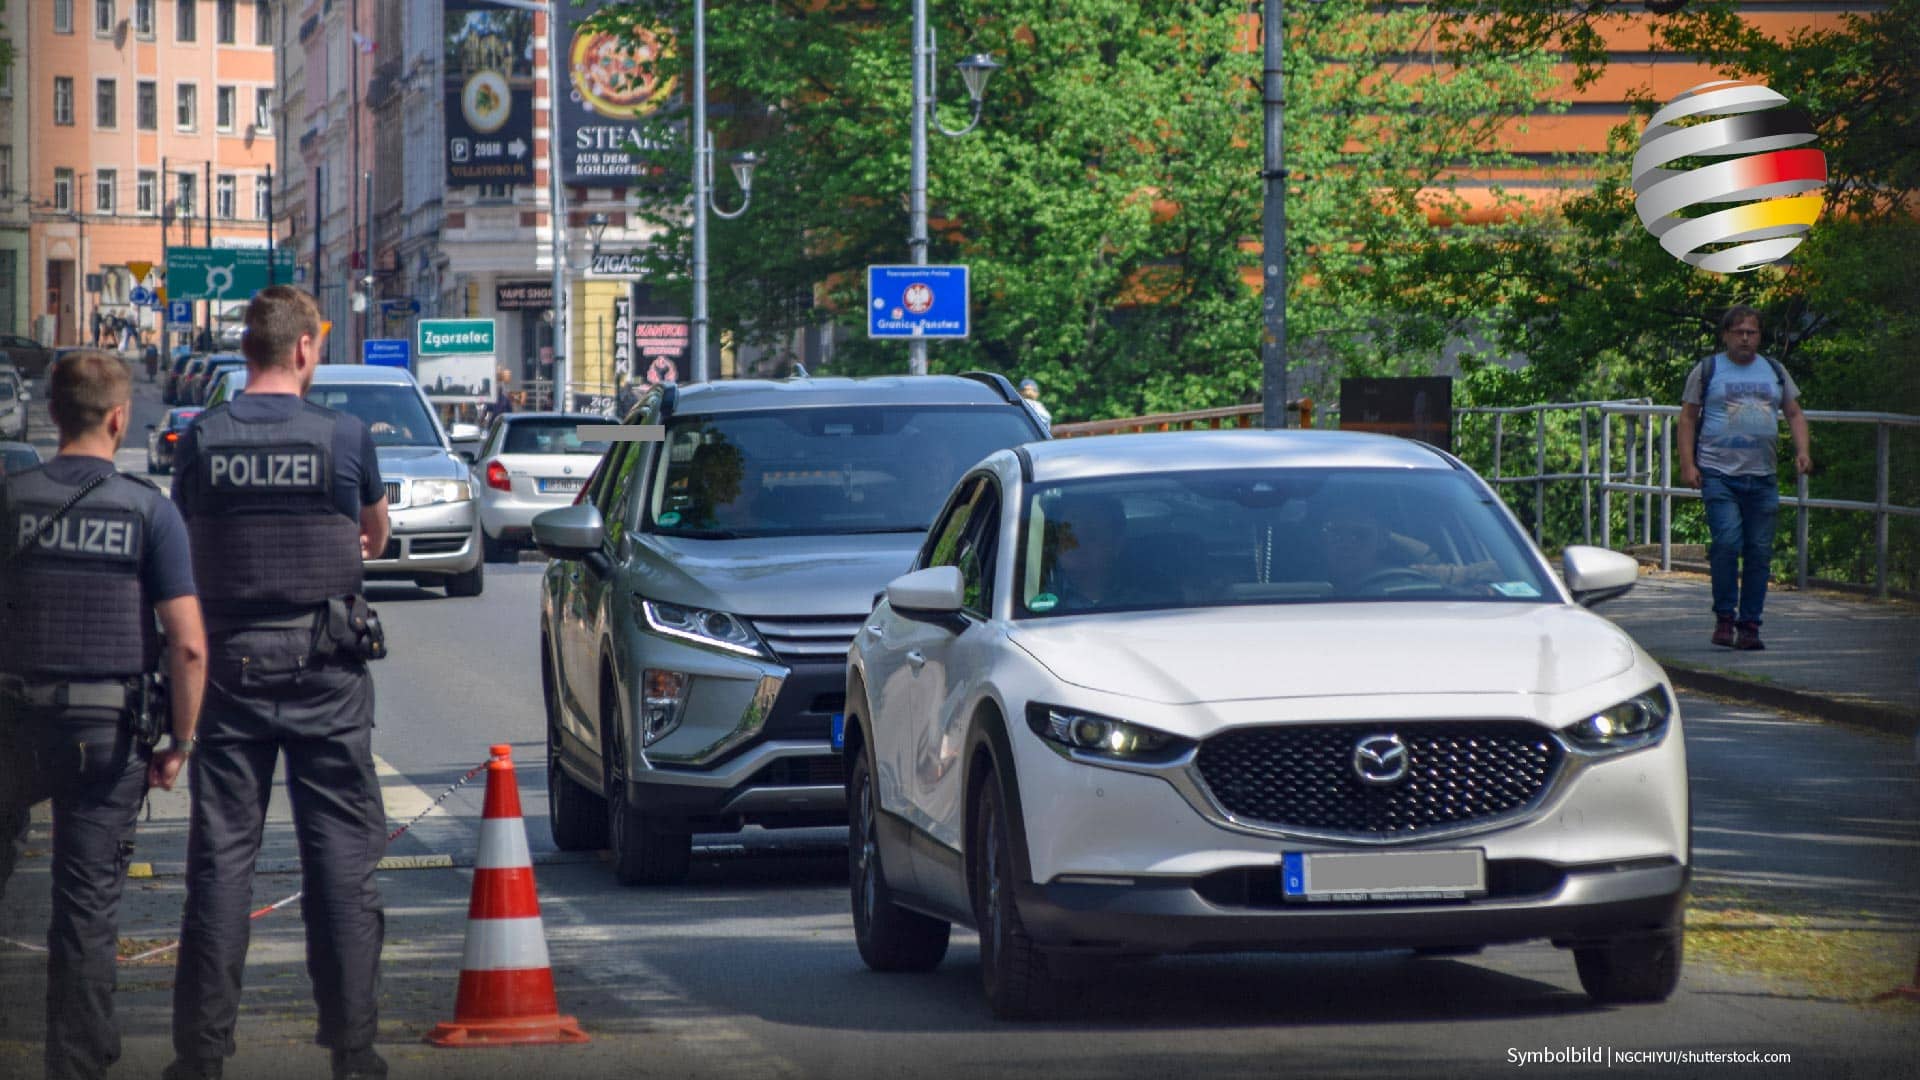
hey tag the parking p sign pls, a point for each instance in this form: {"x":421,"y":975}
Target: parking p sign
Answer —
{"x":179,"y":314}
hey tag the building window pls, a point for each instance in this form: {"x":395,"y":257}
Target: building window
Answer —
{"x":186,"y":23}
{"x":63,"y":100}
{"x":104,"y":183}
{"x":225,"y":20}
{"x":144,"y":192}
{"x":263,"y":198}
{"x":6,"y":172}
{"x":496,"y":191}
{"x":143,"y":17}
{"x":262,"y":22}
{"x":103,"y":14}
{"x":223,"y":106}
{"x":146,"y":105}
{"x":188,"y":187}
{"x":186,"y":98}
{"x":106,"y":103}
{"x":63,"y":189}
{"x":224,"y":200}
{"x":263,"y":109}
{"x":63,"y":16}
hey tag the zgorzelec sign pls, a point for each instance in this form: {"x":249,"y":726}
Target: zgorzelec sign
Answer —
{"x":609,"y":265}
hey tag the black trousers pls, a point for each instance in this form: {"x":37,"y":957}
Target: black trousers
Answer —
{"x":87,"y":762}
{"x":261,"y":704}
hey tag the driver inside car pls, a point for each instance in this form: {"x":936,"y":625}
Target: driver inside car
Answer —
{"x":1363,"y":556}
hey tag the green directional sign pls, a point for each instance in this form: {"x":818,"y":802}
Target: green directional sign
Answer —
{"x":448,"y":337}
{"x":196,"y":273}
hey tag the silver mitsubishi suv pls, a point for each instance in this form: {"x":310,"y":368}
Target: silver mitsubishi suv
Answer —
{"x":704,"y":590}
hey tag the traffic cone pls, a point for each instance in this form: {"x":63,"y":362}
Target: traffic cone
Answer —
{"x":506,"y":984}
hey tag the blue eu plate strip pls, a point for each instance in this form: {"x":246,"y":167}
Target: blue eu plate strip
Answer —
{"x":1293,"y":873}
{"x":839,"y":731}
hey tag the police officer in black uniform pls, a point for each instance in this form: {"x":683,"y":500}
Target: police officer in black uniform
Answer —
{"x":87,"y":558}
{"x":283,"y":500}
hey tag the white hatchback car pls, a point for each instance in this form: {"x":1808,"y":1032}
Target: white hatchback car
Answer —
{"x":1256,"y":691}
{"x":527,"y":464}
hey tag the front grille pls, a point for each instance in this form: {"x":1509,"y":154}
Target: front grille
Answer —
{"x":813,"y":771}
{"x":1303,"y":777}
{"x":800,"y":639}
{"x":395,"y":497}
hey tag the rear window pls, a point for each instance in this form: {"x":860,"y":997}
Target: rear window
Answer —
{"x":558,"y":436}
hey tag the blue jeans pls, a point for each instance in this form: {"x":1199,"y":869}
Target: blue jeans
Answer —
{"x":1740,"y":518}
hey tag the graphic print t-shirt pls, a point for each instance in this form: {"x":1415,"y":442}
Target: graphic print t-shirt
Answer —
{"x":1740,"y":415}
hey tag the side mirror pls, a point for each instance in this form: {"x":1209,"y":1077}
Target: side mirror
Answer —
{"x":1596,"y":575}
{"x":570,"y":532}
{"x":26,"y":395}
{"x":930,"y":593}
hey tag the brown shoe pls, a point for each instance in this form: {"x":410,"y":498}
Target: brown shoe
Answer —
{"x":1723,"y":633}
{"x":1749,"y":638}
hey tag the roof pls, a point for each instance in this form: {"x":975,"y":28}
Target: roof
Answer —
{"x":1118,"y":455}
{"x":575,"y":417}
{"x":747,"y":395}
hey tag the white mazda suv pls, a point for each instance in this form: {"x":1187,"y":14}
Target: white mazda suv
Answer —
{"x":1256,"y":691}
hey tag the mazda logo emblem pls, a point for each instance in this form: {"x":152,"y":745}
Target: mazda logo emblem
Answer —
{"x":1380,"y":760}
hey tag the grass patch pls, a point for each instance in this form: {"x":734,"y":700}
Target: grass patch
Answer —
{"x":1797,"y":958}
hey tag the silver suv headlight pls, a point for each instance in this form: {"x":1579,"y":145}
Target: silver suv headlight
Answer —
{"x":1639,"y":721}
{"x":1103,"y":736}
{"x":715,"y":629}
{"x":435,"y":492}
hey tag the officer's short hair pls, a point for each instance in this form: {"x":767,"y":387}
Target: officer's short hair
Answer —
{"x":275,"y":320}
{"x":84,"y":386}
{"x":1738,"y":314}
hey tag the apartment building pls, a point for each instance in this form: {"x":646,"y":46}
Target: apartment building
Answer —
{"x":134,"y":123}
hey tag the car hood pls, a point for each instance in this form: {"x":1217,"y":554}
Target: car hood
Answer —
{"x":1318,"y":650}
{"x":419,"y":463}
{"x":782,"y":576}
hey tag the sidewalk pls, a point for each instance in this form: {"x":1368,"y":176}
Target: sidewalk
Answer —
{"x":1829,"y":655}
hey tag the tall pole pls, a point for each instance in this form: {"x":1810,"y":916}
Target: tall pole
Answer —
{"x":366,"y":256}
{"x":917,"y":183}
{"x":556,"y":215}
{"x":273,"y":278}
{"x":1273,"y":233}
{"x":207,"y":232}
{"x":699,"y":191}
{"x":319,"y":216}
{"x":166,"y":230}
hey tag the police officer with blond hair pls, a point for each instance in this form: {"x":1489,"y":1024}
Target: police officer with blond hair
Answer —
{"x":283,"y":499}
{"x":88,"y":557}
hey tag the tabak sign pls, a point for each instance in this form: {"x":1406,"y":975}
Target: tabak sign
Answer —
{"x":608,"y":91}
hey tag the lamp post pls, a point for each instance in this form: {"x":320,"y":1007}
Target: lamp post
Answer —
{"x":742,"y":166}
{"x":975,"y":70}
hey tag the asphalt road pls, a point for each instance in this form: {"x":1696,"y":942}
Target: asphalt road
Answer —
{"x":750,"y":969}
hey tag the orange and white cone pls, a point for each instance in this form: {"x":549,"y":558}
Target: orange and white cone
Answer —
{"x":506,"y":982}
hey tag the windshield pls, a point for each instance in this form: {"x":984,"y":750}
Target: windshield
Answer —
{"x":1268,"y":536}
{"x":858,"y":469}
{"x":6,"y":389}
{"x":556,"y":436}
{"x":394,"y":414}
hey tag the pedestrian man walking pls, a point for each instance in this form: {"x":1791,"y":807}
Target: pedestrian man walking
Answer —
{"x":283,"y":500}
{"x":88,"y":557}
{"x":1729,"y":445}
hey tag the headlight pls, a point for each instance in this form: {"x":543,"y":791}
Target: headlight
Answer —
{"x":713,"y":628}
{"x":434,"y":492}
{"x":1102,"y":736}
{"x":1639,"y":721}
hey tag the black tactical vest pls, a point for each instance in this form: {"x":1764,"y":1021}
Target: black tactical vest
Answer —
{"x":267,"y":537}
{"x":70,"y":604}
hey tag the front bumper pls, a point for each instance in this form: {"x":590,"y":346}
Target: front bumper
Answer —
{"x":426,"y":540}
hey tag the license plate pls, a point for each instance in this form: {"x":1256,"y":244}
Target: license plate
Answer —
{"x":568,"y":485}
{"x":1335,"y":876}
{"x":839,"y":732}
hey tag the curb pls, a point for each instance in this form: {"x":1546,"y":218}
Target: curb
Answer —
{"x":1868,"y":714}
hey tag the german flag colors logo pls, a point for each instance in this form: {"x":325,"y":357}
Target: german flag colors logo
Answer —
{"x":1777,"y":188}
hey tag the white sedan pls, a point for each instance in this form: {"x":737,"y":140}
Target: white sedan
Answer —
{"x":1256,"y":691}
{"x":530,"y":463}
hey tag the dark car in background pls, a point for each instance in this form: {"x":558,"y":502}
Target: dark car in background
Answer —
{"x":200,"y":384}
{"x":31,"y":357}
{"x":164,"y":436}
{"x":15,"y":456}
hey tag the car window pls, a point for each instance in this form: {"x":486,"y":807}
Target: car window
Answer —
{"x":611,"y":487}
{"x":1265,"y":536}
{"x":943,"y":540}
{"x":556,"y":436}
{"x":394,"y":414}
{"x":821,"y":471}
{"x":968,"y":538}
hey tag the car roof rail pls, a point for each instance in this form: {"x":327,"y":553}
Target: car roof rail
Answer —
{"x":997,"y":381}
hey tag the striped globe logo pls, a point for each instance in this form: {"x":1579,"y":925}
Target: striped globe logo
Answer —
{"x":1777,"y":187}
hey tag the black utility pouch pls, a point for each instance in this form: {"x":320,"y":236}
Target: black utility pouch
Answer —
{"x":350,"y":628}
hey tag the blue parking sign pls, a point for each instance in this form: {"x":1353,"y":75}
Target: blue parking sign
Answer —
{"x":179,"y":314}
{"x":917,"y":302}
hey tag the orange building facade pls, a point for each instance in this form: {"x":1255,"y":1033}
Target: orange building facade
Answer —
{"x":134,"y":124}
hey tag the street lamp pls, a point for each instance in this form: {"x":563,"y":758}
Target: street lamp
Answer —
{"x":597,"y":225}
{"x":975,"y":70}
{"x":742,"y":167}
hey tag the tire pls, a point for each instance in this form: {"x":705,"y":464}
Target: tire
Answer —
{"x":471,"y":583}
{"x":575,"y":816}
{"x":1019,"y":982}
{"x":1632,"y":970}
{"x":891,"y":938}
{"x":646,"y":850}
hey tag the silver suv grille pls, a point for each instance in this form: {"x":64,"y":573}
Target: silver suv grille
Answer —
{"x":799,"y":638}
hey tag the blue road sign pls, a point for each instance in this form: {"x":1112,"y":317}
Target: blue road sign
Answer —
{"x":179,"y":314}
{"x":917,"y":302}
{"x":387,"y":352}
{"x":140,"y":296}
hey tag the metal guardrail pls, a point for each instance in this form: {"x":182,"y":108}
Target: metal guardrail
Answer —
{"x":1649,"y":473}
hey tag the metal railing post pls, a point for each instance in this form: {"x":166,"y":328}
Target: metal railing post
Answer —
{"x":1499,"y":435}
{"x":1586,"y":483}
{"x":1646,"y":499}
{"x":1633,"y":476}
{"x":1606,"y":478}
{"x":1800,"y":530}
{"x":1666,"y":493}
{"x":1881,"y":455}
{"x":1540,"y":476}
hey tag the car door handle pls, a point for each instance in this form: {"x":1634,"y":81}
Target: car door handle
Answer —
{"x":916,"y":658}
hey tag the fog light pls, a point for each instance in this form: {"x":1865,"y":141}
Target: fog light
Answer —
{"x":662,"y":693}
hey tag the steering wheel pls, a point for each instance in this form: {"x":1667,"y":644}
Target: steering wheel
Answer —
{"x":1384,"y":578}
